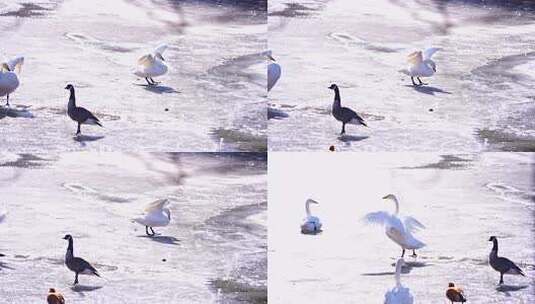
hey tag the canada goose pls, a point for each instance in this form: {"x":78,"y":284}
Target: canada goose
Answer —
{"x":79,"y":114}
{"x":343,"y":114}
{"x":501,"y":264}
{"x":76,"y":264}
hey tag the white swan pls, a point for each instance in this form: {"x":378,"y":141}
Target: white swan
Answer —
{"x":156,"y":215}
{"x":398,"y":229}
{"x":273,"y":72}
{"x":152,"y":65}
{"x":9,"y":80}
{"x":421,"y":65}
{"x":311,"y":224}
{"x":399,"y":294}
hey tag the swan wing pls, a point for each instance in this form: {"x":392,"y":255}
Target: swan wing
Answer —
{"x":415,"y":58}
{"x":428,"y":53}
{"x":157,"y":205}
{"x":160,"y":49}
{"x":379,"y":218}
{"x":146,"y":60}
{"x":156,"y":218}
{"x":274,"y":73}
{"x":15,"y":64}
{"x":412,"y":224}
{"x":4,"y":67}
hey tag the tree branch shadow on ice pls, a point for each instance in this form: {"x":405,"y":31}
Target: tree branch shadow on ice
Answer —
{"x":159,"y":89}
{"x":81,"y":288}
{"x":170,"y":240}
{"x":429,"y":90}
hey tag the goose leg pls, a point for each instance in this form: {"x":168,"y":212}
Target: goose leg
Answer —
{"x":343,"y":129}
{"x":501,"y":278}
{"x":76,"y":279}
{"x":78,"y":132}
{"x":420,"y":81}
{"x":150,"y":83}
{"x":414,"y":255}
{"x":153,"y":82}
{"x":7,"y":104}
{"x":413,"y":83}
{"x":403,"y":252}
{"x":152,"y":230}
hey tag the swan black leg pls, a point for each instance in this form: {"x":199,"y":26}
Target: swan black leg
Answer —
{"x":420,"y":81}
{"x":76,"y":279}
{"x":7,"y":104}
{"x":153,"y":82}
{"x":343,"y":129}
{"x":414,"y":255}
{"x":413,"y":83}
{"x":79,"y":131}
{"x":501,"y":278}
{"x":152,"y":230}
{"x":147,"y":231}
{"x":403,"y":252}
{"x":150,"y":83}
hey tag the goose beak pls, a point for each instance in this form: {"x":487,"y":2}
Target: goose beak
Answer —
{"x":385,"y":197}
{"x":271,"y":58}
{"x":66,"y":88}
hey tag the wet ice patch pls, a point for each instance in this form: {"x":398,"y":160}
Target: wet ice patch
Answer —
{"x":89,"y":41}
{"x":16,"y":111}
{"x":27,"y":10}
{"x":349,"y":40}
{"x":86,"y":190}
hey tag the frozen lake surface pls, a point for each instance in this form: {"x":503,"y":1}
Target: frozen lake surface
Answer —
{"x":213,"y":251}
{"x":462,"y":200}
{"x":480,"y":99}
{"x":215,"y":88}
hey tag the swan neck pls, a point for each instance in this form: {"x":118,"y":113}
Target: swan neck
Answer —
{"x":168,"y":213}
{"x":396,"y":203}
{"x":307,"y":208}
{"x":398,"y":274}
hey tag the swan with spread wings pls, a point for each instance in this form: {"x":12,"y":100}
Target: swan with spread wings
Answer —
{"x":421,"y":65}
{"x":152,"y":65}
{"x":398,"y":228}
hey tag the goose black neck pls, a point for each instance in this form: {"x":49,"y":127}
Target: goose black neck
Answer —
{"x":495,"y":246}
{"x":72,"y":98}
{"x":336,"y":96}
{"x":70,"y":250}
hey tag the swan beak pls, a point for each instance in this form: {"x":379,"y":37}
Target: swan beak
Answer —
{"x":271,"y":58}
{"x":385,"y":197}
{"x":66,"y":88}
